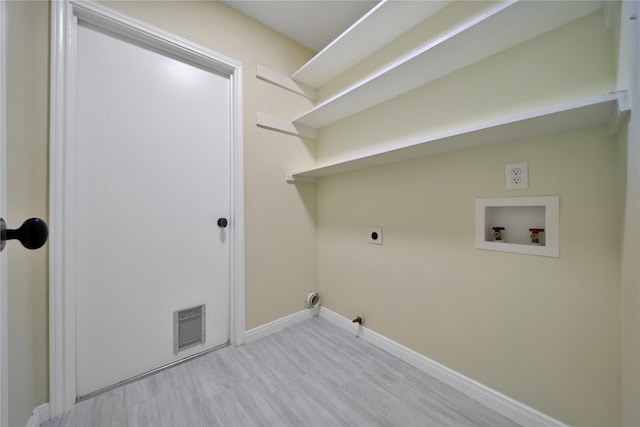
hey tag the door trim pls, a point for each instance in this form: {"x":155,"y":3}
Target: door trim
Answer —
{"x":4,"y":370}
{"x":65,"y":16}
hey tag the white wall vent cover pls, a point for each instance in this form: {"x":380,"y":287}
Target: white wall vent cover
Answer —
{"x":188,"y":327}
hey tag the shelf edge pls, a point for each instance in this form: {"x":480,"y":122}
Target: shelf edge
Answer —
{"x":333,"y":109}
{"x":375,"y":27}
{"x":521,"y":118}
{"x":400,"y":62}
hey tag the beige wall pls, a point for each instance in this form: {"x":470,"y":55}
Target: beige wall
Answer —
{"x":27,"y":127}
{"x":280,"y":218}
{"x":628,"y":166}
{"x":544,"y":331}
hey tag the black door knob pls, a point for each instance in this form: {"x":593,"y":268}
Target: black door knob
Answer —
{"x":222,"y":222}
{"x":33,"y":233}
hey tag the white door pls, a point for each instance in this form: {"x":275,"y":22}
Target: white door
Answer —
{"x":152,"y":180}
{"x":4,"y":398}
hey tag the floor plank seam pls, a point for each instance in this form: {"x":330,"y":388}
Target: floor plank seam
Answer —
{"x":310,"y":374}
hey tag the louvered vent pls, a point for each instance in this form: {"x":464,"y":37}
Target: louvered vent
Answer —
{"x":188,"y":327}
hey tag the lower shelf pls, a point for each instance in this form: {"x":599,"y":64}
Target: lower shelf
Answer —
{"x":605,"y":109}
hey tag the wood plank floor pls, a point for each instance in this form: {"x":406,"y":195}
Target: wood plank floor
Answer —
{"x":311,"y":374}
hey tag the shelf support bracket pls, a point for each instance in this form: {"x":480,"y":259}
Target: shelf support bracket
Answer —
{"x":273,"y":77}
{"x":620,"y":113}
{"x":293,"y":179}
{"x":281,"y":125}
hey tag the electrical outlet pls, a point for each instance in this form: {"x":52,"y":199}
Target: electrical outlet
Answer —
{"x":517,"y":176}
{"x":375,"y":235}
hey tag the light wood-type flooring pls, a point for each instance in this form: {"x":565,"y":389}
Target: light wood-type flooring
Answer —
{"x":310,"y":374}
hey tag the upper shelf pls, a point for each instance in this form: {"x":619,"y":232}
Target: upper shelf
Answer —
{"x":382,"y":24}
{"x":576,"y":115}
{"x":504,"y":26}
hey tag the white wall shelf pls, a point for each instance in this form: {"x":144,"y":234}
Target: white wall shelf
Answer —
{"x":517,"y":215}
{"x":504,"y":26}
{"x":381,"y":25}
{"x":581,"y":114}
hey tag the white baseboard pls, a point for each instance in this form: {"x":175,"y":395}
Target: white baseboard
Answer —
{"x":279,"y":324}
{"x":39,"y":415}
{"x":504,"y":405}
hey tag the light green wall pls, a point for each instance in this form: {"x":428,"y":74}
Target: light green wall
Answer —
{"x":445,"y":21}
{"x":629,"y":229}
{"x":544,"y":331}
{"x":27,"y":136}
{"x":568,"y":64}
{"x":629,"y":225}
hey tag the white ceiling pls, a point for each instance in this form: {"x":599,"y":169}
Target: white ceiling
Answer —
{"x":313,"y":23}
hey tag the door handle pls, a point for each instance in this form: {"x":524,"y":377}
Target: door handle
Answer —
{"x":222,"y":222}
{"x":33,"y":233}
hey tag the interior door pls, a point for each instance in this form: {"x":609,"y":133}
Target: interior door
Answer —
{"x":4,"y":398}
{"x":152,"y":180}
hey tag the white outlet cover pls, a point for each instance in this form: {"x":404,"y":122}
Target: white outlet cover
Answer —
{"x":375,"y":235}
{"x":517,"y":176}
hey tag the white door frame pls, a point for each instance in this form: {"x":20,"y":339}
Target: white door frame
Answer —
{"x":4,"y":381}
{"x":62,"y":287}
